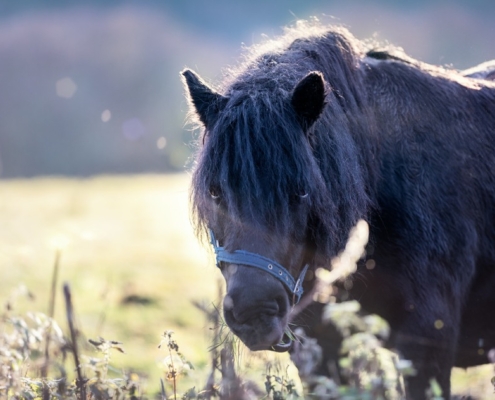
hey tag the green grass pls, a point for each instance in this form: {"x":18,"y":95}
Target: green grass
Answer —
{"x":119,"y":236}
{"x":123,"y":236}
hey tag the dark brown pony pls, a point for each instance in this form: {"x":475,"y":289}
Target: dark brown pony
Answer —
{"x":315,"y":131}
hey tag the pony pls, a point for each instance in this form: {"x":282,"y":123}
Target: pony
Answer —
{"x":315,"y":131}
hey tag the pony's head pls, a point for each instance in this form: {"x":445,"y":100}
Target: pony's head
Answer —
{"x":253,"y":187}
{"x":267,"y":186}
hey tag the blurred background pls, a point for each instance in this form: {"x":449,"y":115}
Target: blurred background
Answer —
{"x":94,"y":149}
{"x":93,"y":87}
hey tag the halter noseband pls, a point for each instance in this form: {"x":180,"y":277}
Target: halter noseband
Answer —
{"x":265,"y":264}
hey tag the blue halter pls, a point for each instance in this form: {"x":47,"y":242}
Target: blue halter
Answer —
{"x":255,"y":260}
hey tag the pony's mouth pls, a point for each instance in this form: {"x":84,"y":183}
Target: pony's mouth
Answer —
{"x":284,"y":345}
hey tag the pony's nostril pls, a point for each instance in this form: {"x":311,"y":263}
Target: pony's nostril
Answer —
{"x":228,"y":315}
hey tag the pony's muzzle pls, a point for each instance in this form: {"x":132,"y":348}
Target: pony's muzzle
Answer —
{"x":256,"y":308}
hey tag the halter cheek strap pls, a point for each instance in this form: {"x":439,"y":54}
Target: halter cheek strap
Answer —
{"x":258,"y":261}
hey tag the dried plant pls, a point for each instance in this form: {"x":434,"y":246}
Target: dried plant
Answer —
{"x":34,"y":362}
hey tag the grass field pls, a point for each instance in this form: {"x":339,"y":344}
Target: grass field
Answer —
{"x":121,"y":237}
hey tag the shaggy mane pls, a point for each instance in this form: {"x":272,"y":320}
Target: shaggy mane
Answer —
{"x":259,"y":158}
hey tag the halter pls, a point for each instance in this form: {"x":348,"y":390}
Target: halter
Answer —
{"x":265,"y":264}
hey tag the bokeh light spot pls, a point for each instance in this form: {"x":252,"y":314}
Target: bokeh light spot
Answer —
{"x":161,"y":143}
{"x":65,"y":88}
{"x":439,"y":324}
{"x":106,"y":116}
{"x":133,"y":129}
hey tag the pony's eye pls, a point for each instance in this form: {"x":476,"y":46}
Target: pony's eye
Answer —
{"x":215,"y":193}
{"x":299,"y":198}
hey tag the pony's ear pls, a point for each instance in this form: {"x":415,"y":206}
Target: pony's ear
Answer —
{"x":207,"y":102}
{"x":308,"y":99}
